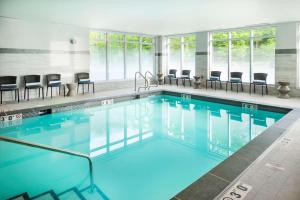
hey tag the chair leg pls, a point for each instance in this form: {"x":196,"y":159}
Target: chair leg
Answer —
{"x":230,"y":86}
{"x":64,"y":90}
{"x":47,"y":91}
{"x":24,"y":93}
{"x":43,"y":93}
{"x":177,"y":81}
{"x":77,"y":87}
{"x":18,"y":95}
{"x":242,"y":87}
{"x":51,"y":91}
{"x":226,"y":86}
{"x":27,"y":94}
{"x":267,"y":90}
{"x":88,"y":87}
{"x":39,"y":92}
{"x":83,"y":88}
{"x":237,"y":88}
{"x":170,"y":81}
{"x":15,"y":95}
{"x":254,"y":88}
{"x":190,"y":82}
{"x":206,"y":84}
{"x":220,"y":84}
{"x":183,"y":82}
{"x":93,"y":87}
{"x":211,"y":85}
{"x":262,"y":90}
{"x":215,"y":85}
{"x":1,"y":96}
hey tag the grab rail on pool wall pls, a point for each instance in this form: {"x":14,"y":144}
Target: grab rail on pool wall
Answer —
{"x":55,"y":149}
{"x":135,"y":80}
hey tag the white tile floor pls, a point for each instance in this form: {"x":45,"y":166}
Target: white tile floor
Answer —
{"x":274,"y":175}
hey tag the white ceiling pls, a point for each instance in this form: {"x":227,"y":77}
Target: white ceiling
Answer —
{"x":154,"y":16}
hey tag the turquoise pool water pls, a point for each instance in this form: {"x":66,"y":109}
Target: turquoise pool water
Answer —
{"x":148,"y":149}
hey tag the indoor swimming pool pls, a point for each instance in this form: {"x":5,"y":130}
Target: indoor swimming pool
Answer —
{"x":148,"y":148}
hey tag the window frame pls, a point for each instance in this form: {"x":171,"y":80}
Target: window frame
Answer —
{"x":182,"y":43}
{"x":124,"y":42}
{"x":252,"y":37}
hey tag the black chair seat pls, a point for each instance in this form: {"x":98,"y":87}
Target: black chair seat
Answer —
{"x":259,"y":82}
{"x":33,"y":86}
{"x":7,"y":87}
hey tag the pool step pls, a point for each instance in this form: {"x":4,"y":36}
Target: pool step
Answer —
{"x":70,"y":194}
{"x":49,"y":195}
{"x":23,"y":196}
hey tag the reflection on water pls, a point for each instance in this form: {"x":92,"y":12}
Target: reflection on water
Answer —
{"x":216,"y":128}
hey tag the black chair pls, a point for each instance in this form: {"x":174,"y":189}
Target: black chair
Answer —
{"x":261,"y":80}
{"x":54,"y":80}
{"x":171,"y":75}
{"x":185,"y":75}
{"x":84,"y":79}
{"x":215,"y":76}
{"x":9,"y":83}
{"x":235,"y":78}
{"x":33,"y":82}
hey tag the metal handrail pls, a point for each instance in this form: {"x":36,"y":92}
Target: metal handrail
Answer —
{"x":135,"y":79}
{"x":148,"y":72}
{"x":54,"y":149}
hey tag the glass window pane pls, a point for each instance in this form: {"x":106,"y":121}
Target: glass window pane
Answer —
{"x":174,"y":54}
{"x":189,"y":50}
{"x":189,"y":39}
{"x":240,"y":57}
{"x":132,"y":59}
{"x":132,"y":38}
{"x":241,"y":35}
{"x":220,"y":36}
{"x":147,"y":39}
{"x":115,"y":37}
{"x":147,"y":59}
{"x":220,"y":58}
{"x":116,"y":60}
{"x":265,"y":32}
{"x":264,"y":57}
{"x":97,"y":56}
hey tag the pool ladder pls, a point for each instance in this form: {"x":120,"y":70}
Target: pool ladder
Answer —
{"x":147,"y":80}
{"x":55,"y":149}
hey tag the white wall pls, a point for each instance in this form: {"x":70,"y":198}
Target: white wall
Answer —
{"x":38,"y":48}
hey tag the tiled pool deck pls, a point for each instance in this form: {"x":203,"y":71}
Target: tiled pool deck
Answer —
{"x":269,"y":164}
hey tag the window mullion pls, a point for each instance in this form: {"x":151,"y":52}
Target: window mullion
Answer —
{"x":124,"y":55}
{"x":251,"y":54}
{"x":106,"y":57}
{"x":229,"y":54}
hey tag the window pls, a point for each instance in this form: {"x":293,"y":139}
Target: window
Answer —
{"x":264,"y":45}
{"x":98,"y":53}
{"x":188,"y":56}
{"x":219,"y":49}
{"x":240,"y":54}
{"x":132,"y":55}
{"x":181,"y":53}
{"x":247,"y":51}
{"x":147,"y":59}
{"x":115,"y":56}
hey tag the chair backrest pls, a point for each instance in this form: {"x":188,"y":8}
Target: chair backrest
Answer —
{"x":236,"y":75}
{"x":186,"y":73}
{"x":53,"y":77}
{"x":83,"y":75}
{"x":260,"y":76}
{"x":8,"y":80}
{"x":173,"y":71}
{"x":215,"y":73}
{"x":32,"y":79}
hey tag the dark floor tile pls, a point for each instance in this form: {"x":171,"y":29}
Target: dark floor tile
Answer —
{"x":206,"y":188}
